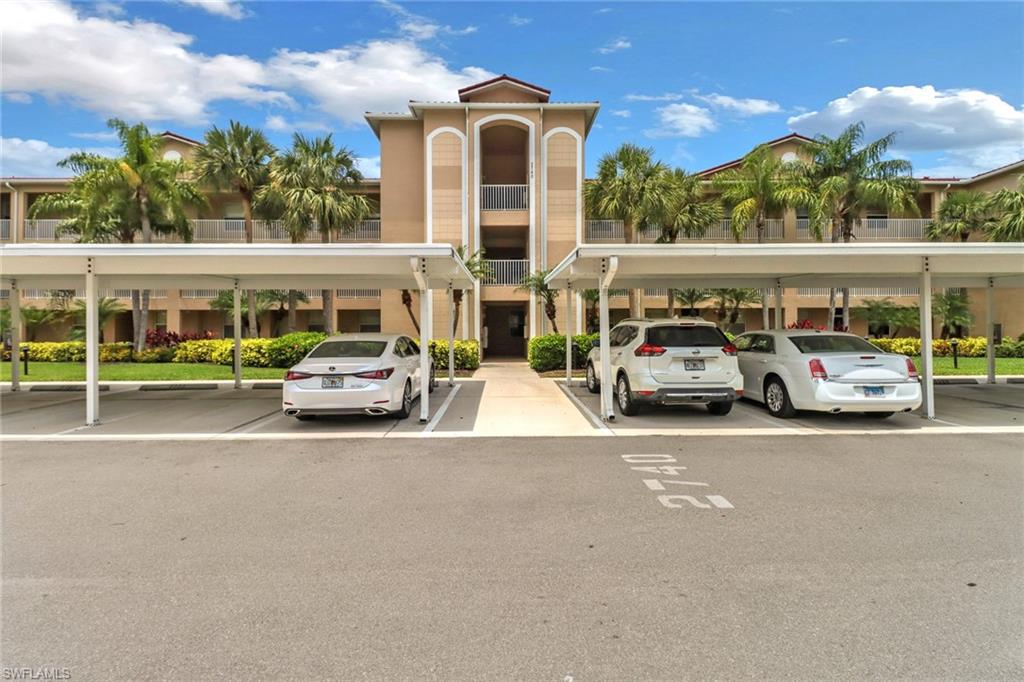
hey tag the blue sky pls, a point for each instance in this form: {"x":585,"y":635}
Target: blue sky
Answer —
{"x":702,"y":83}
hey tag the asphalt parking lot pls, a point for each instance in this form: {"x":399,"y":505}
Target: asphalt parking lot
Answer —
{"x":831,"y":557}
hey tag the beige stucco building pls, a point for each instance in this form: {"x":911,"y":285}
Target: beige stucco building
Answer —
{"x":499,"y":169}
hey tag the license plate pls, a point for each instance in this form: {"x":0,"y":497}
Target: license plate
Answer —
{"x":693,"y":365}
{"x":874,"y":392}
{"x":332,"y":382}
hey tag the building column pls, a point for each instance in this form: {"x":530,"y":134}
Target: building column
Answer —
{"x":92,"y":347}
{"x":451,"y":336}
{"x":237,"y":324}
{"x":426,"y":327}
{"x":927,"y":368}
{"x":990,"y":331}
{"x":568,"y":335}
{"x":607,"y":411}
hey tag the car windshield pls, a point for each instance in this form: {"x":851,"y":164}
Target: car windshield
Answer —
{"x":678,"y":335}
{"x":832,"y":343}
{"x":349,"y":349}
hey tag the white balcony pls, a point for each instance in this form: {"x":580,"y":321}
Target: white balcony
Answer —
{"x":861,"y":291}
{"x":504,"y":197}
{"x":611,"y":231}
{"x":210,"y":231}
{"x":104,"y":293}
{"x":5,"y":229}
{"x":877,"y":230}
{"x":45,"y":230}
{"x":506,"y":272}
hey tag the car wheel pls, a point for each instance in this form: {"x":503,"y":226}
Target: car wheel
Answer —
{"x":305,"y":417}
{"x":720,"y":408}
{"x":879,"y":415}
{"x":406,"y":409}
{"x":625,"y":397}
{"x":593,"y":385}
{"x":776,"y":399}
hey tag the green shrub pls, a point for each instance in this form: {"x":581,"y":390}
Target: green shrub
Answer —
{"x":254,"y":353}
{"x":116,"y":352}
{"x":56,"y":351}
{"x":546,"y":353}
{"x":287,"y":350}
{"x":197,"y":351}
{"x":159,"y":354}
{"x":467,"y":353}
{"x":1010,"y":349}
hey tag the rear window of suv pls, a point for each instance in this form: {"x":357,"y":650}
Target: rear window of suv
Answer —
{"x":678,"y":335}
{"x":349,"y":349}
{"x":832,"y":343}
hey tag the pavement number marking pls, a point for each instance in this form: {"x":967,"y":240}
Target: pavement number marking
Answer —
{"x":667,"y":466}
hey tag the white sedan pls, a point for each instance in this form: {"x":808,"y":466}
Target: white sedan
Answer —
{"x":373,"y":374}
{"x":806,"y":369}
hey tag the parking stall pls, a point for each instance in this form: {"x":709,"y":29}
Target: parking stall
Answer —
{"x":778,"y":266}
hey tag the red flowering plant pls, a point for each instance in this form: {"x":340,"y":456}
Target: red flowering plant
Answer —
{"x":161,"y":338}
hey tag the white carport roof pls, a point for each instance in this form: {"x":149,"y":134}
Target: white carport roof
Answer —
{"x":792,"y":265}
{"x":217,"y":266}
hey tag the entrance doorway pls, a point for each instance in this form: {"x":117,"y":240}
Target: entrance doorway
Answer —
{"x":505,"y":325}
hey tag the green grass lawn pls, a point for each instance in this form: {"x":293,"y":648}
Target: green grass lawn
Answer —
{"x":131,"y":371}
{"x":976,"y":366}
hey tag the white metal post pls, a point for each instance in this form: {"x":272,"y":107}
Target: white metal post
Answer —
{"x":990,"y":331}
{"x":451,"y":336}
{"x":927,"y":369}
{"x":568,"y":335}
{"x":237,"y":323}
{"x":92,"y":347}
{"x":425,"y":329}
{"x":607,"y":412}
{"x":15,"y":303}
{"x":778,"y":304}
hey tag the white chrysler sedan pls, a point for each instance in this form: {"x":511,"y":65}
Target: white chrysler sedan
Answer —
{"x":372,"y":374}
{"x":807,"y":369}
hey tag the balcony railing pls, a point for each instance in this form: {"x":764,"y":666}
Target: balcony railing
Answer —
{"x":104,"y":293}
{"x":861,"y":291}
{"x":212,"y":231}
{"x":611,"y":231}
{"x":5,"y":229}
{"x":504,"y":197}
{"x":877,"y":229}
{"x":358,"y":293}
{"x":506,"y":272}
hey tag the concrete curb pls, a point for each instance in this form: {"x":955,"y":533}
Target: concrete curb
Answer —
{"x":948,"y":380}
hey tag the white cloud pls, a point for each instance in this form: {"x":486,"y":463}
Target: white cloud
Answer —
{"x":840,"y":41}
{"x":975,"y":129}
{"x":600,"y":69}
{"x":369,"y":166}
{"x":742,"y":107}
{"x":667,"y":97}
{"x":101,"y":135}
{"x":622,"y":113}
{"x":615,"y":46}
{"x":517,"y":20}
{"x":418,"y":27}
{"x":18,"y":97}
{"x":37,"y":158}
{"x":140,"y":70}
{"x":108,"y":9}
{"x":280,"y":124}
{"x":378,"y":76}
{"x":223,"y":8}
{"x":603,"y":10}
{"x":682,"y":120}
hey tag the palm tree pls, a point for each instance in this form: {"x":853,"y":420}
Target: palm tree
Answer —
{"x":535,"y":284}
{"x":106,"y":309}
{"x":691,"y":298}
{"x":313,"y":186}
{"x":877,"y":312}
{"x":849,"y":177}
{"x":236,"y":159}
{"x":728,"y":303}
{"x":116,"y":198}
{"x":630,"y":186}
{"x":265,"y":301}
{"x":285,"y":310}
{"x":35,"y":318}
{"x":689,"y":213}
{"x":760,"y":185}
{"x":591,"y":298}
{"x":953,"y":308}
{"x":961,"y":215}
{"x":477,"y":267}
{"x":1007,"y":206}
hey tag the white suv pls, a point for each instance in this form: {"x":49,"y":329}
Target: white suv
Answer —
{"x":669,"y":362}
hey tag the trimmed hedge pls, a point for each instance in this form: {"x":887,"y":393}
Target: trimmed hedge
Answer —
{"x":254,"y":353}
{"x":287,"y":350}
{"x":467,"y":353}
{"x":159,"y":354}
{"x":198,"y":351}
{"x":116,"y":352}
{"x":547,"y":353}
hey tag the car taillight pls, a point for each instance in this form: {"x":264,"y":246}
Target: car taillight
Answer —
{"x":817,"y":369}
{"x":648,"y":350}
{"x":911,"y":369}
{"x":729,"y":349}
{"x":377,"y":373}
{"x":296,"y":376}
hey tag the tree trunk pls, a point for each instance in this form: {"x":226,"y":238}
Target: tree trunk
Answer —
{"x":552,"y":312}
{"x":147,"y":238}
{"x":457,"y":300}
{"x":293,"y":301}
{"x":250,"y":295}
{"x":633,"y":295}
{"x":670,"y":307}
{"x":765,"y":321}
{"x":136,"y":317}
{"x":327,"y":295}
{"x":830,"y":323}
{"x":847,"y":238}
{"x":407,"y":302}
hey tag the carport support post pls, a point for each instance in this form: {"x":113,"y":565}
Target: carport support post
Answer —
{"x":927,"y":369}
{"x":778,"y":304}
{"x":451,"y":336}
{"x":425,"y":329}
{"x":568,"y":334}
{"x":990,"y":331}
{"x":237,"y":324}
{"x":15,"y":303}
{"x":92,"y":348}
{"x":606,"y":360}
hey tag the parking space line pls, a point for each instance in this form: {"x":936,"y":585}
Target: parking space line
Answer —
{"x":594,"y":419}
{"x":432,"y":424}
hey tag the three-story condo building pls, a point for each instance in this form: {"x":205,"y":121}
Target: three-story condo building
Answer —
{"x":500,"y":169}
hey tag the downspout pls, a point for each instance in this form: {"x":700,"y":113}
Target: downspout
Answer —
{"x":14,"y":212}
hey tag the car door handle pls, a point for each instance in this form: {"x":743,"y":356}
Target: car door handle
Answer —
{"x":763,"y":362}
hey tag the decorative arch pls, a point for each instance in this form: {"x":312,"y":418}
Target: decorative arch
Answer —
{"x":429,"y":161}
{"x":544,"y":194}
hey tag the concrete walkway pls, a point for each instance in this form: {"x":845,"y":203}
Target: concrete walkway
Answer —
{"x":507,"y":398}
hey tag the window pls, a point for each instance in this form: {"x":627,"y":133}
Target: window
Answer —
{"x":517,"y":324}
{"x":689,"y":336}
{"x":743,"y":342}
{"x":401,"y":347}
{"x":413,"y":348}
{"x":234,"y":218}
{"x":349,"y":349}
{"x":158,"y":318}
{"x":369,"y":321}
{"x":762,"y":343}
{"x":832,"y":343}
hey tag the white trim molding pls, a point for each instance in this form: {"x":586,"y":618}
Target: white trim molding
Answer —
{"x":429,"y":161}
